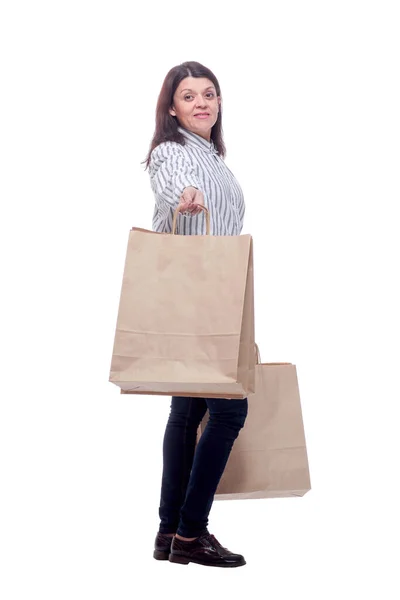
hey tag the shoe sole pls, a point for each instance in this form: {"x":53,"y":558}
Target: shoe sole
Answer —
{"x":183,"y":560}
{"x":159,"y":555}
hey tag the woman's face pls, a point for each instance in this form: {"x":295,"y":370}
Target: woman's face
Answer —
{"x":195,"y":96}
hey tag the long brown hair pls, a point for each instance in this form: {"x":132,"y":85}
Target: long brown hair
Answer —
{"x":166,"y":124}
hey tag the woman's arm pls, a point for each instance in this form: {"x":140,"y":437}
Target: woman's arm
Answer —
{"x":170,"y":173}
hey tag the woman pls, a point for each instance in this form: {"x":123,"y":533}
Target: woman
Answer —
{"x":186,"y":169}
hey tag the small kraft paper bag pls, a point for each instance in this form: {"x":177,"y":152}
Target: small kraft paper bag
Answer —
{"x":185,"y":323}
{"x":269,"y":457}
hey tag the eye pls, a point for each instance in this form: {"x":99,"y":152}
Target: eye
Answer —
{"x":209,"y":94}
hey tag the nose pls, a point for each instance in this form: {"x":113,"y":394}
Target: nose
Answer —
{"x":200,"y":102}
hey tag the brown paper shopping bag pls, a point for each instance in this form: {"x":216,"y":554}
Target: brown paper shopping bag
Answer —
{"x":185,"y":322}
{"x":269,"y":458}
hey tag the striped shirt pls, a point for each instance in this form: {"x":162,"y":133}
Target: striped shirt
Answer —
{"x":174,"y":167}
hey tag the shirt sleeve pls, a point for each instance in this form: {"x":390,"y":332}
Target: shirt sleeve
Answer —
{"x":170,"y":173}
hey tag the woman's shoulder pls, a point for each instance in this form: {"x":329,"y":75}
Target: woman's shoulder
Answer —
{"x":165,"y":149}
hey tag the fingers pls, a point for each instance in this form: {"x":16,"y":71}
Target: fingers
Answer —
{"x":191,"y":208}
{"x":190,"y":202}
{"x":188,"y":195}
{"x":183,"y":206}
{"x":196,"y":211}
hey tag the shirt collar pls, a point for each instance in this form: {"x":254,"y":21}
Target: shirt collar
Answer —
{"x":197,"y":141}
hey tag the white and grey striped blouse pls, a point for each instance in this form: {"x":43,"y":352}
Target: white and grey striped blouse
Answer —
{"x":174,"y":167}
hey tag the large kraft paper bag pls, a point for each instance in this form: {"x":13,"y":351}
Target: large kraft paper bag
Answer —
{"x":269,"y":457}
{"x":185,"y":322}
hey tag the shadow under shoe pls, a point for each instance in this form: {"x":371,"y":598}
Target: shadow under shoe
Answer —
{"x":162,"y":546}
{"x":205,"y":550}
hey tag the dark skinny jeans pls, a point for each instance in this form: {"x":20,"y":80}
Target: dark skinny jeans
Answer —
{"x":190,"y":478}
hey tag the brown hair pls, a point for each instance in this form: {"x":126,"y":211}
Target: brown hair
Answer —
{"x":166,"y":124}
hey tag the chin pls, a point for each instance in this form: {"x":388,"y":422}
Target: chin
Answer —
{"x":201,"y":126}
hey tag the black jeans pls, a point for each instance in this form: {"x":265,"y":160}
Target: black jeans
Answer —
{"x":189,"y":478}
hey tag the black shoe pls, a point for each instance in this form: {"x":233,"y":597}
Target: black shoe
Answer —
{"x":204,"y":550}
{"x":162,"y":546}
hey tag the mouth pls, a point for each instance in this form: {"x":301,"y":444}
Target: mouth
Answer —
{"x":202,"y":115}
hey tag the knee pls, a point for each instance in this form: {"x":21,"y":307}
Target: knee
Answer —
{"x":186,"y":412}
{"x":241,"y":415}
{"x":232,"y":419}
{"x":177,"y":419}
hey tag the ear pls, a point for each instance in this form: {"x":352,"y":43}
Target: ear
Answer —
{"x":172,"y":112}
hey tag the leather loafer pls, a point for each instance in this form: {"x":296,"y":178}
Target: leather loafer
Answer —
{"x":162,"y":546}
{"x":204,"y":550}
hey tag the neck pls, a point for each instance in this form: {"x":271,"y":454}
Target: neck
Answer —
{"x":205,"y":136}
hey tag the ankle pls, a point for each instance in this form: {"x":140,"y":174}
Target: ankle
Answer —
{"x":185,"y":539}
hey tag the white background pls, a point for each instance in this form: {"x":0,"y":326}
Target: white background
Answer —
{"x":311,"y":119}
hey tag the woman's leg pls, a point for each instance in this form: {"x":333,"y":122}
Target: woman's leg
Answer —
{"x":227,"y":417}
{"x":178,"y":450}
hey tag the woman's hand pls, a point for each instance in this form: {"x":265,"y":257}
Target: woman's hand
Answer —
{"x":190,"y":201}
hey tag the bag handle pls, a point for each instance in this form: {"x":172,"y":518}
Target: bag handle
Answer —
{"x":267,"y":364}
{"x":200,"y":206}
